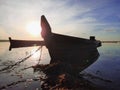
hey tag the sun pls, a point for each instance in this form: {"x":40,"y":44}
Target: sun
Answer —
{"x":33,"y":28}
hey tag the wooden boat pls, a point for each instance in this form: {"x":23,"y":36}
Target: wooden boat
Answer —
{"x":78,"y":52}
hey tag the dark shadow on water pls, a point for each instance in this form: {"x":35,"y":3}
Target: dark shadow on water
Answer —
{"x":61,"y":75}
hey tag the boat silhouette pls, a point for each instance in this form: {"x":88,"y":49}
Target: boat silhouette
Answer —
{"x":78,"y":52}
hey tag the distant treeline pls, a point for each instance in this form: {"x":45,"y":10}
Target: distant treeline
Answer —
{"x":4,"y":40}
{"x":101,"y":41}
{"x":110,"y":41}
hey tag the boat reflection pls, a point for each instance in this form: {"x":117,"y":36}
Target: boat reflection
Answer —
{"x":65,"y":75}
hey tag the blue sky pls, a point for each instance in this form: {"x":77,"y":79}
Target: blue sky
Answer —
{"x":80,"y":18}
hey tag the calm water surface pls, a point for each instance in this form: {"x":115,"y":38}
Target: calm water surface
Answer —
{"x":19,"y":78}
{"x":105,"y":72}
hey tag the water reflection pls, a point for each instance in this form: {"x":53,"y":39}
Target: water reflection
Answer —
{"x":106,"y":67}
{"x":36,"y":55}
{"x":3,"y":48}
{"x":13,"y":77}
{"x":105,"y":72}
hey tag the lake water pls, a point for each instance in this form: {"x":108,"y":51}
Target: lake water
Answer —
{"x":105,"y":72}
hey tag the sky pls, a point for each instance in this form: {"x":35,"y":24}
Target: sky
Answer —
{"x":79,"y":18}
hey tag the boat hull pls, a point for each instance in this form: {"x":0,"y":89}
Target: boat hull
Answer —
{"x":78,"y":52}
{"x":75,"y":51}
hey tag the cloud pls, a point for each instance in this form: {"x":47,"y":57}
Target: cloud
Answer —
{"x":87,"y":20}
{"x":65,"y":16}
{"x":110,"y":30}
{"x":59,"y":13}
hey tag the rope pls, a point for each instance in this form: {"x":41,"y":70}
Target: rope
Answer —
{"x":40,"y":55}
{"x":37,"y":63}
{"x":24,"y":59}
{"x":11,"y":66}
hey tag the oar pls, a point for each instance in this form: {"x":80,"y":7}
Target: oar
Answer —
{"x":24,"y":43}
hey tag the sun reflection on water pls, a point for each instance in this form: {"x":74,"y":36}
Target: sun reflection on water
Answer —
{"x":36,"y":55}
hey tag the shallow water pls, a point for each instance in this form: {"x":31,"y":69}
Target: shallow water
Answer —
{"x":105,"y":72}
{"x":17,"y":77}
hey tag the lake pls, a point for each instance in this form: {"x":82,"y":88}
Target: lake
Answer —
{"x":105,"y":72}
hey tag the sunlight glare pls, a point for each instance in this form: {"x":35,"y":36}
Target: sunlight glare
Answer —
{"x":35,"y":54}
{"x":33,"y":28}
